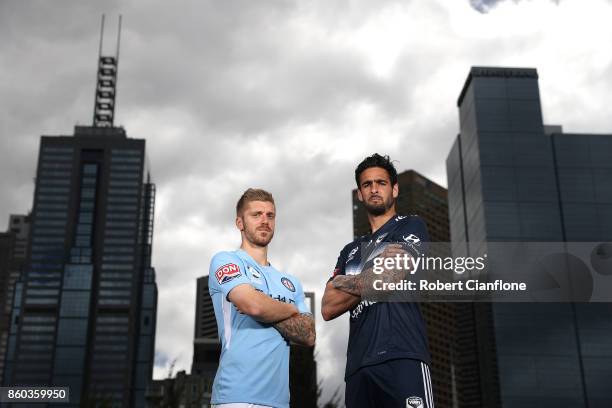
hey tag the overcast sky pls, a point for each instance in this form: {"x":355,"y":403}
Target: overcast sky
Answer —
{"x":284,"y":95}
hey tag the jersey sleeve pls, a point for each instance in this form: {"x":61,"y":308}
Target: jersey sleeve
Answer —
{"x":413,"y":236}
{"x":300,"y":299}
{"x":340,"y":266}
{"x":226,"y":272}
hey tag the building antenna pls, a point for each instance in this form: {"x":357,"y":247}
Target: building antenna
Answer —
{"x":106,"y":83}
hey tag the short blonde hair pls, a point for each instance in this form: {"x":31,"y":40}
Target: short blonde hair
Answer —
{"x":252,"y":194}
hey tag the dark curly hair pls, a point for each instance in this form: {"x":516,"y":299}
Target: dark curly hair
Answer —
{"x":376,"y":160}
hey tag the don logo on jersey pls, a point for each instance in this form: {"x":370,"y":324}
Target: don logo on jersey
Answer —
{"x":227,"y":272}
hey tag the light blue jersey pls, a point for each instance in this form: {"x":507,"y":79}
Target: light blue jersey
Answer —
{"x":254,"y":364}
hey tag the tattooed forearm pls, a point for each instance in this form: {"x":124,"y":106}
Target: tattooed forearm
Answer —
{"x":363,"y":283}
{"x":299,"y":329}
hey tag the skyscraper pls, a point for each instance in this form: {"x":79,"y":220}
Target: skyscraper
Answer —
{"x":13,"y":246}
{"x":303,"y":369}
{"x":84,"y":313}
{"x":421,"y":196}
{"x":206,"y":343}
{"x":511,"y":178}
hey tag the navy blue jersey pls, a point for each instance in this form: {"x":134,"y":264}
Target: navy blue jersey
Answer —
{"x":381,"y":331}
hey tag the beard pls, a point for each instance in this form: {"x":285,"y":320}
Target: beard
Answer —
{"x":257,"y":237}
{"x":379,"y":207}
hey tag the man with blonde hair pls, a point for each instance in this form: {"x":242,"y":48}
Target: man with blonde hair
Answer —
{"x":259,"y":310}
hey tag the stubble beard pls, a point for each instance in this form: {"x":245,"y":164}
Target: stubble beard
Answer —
{"x":379,"y":209}
{"x":255,"y":238}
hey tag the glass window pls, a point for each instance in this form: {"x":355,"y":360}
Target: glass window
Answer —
{"x":122,"y":191}
{"x":36,"y":337}
{"x":53,"y":182}
{"x":48,"y":240}
{"x":84,"y":229}
{"x":55,"y":157}
{"x":118,"y":241}
{"x":116,"y":159}
{"x":50,"y":222}
{"x":131,"y":208}
{"x":52,"y":206}
{"x":115,"y":216}
{"x":123,"y":224}
{"x":85,"y":217}
{"x":47,"y":189}
{"x":119,"y":249}
{"x":78,"y":276}
{"x":90,"y":168}
{"x":38,"y":328}
{"x":117,"y":175}
{"x":52,"y":149}
{"x":113,"y":302}
{"x":54,"y":173}
{"x":116,"y":267}
{"x":46,"y":197}
{"x":116,"y":275}
{"x":125,"y":152}
{"x":51,"y":214}
{"x":39,"y":319}
{"x":88,"y":193}
{"x":121,"y":199}
{"x":124,"y":233}
{"x":114,"y":183}
{"x":135,"y":169}
{"x":75,"y":303}
{"x":120,"y":258}
{"x":72,"y":331}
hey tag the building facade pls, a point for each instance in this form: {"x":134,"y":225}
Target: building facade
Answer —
{"x":84,"y":312}
{"x":510,"y":178}
{"x":13,"y":249}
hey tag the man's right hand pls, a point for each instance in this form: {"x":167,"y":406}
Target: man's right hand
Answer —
{"x":260,"y":306}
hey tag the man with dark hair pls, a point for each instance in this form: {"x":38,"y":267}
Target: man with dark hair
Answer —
{"x":387,"y":362}
{"x":259,"y":310}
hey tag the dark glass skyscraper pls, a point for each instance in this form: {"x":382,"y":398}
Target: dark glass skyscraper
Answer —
{"x":13,"y":247}
{"x":206,"y":343}
{"x":511,"y":178}
{"x":84,"y":312}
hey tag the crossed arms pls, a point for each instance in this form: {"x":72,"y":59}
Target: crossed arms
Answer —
{"x":296,"y":327}
{"x":344,"y":292}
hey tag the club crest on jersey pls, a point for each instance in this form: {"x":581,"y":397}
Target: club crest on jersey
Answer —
{"x":227,"y":272}
{"x":414,"y":402}
{"x":255,"y":276}
{"x":288,"y":284}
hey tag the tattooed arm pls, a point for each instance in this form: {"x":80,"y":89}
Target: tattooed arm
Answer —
{"x":298,"y":329}
{"x":358,"y":285}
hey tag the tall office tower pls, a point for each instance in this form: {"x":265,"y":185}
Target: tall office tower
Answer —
{"x":84,"y":314}
{"x":13,"y":246}
{"x":421,"y":196}
{"x":303,"y":370}
{"x":206,"y":343}
{"x":513,"y":179}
